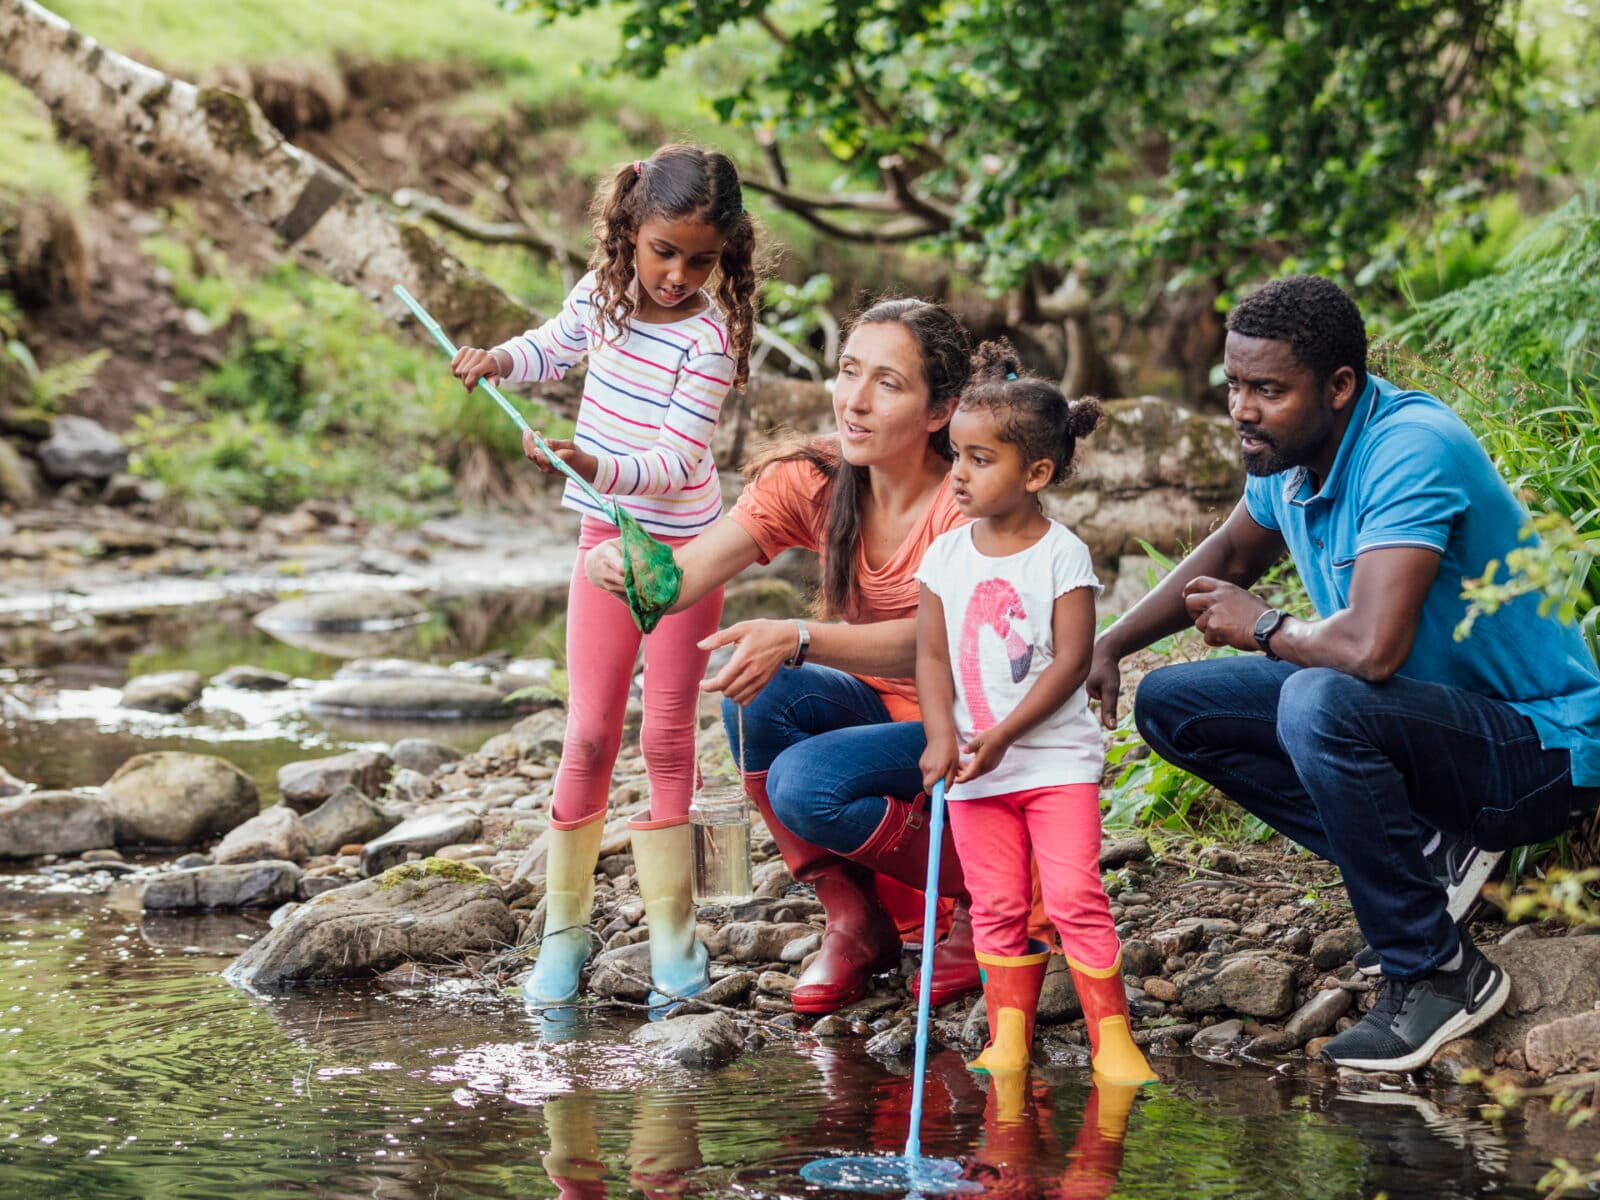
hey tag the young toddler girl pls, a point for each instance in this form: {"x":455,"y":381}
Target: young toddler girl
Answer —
{"x":1008,"y":602}
{"x":663,"y":354}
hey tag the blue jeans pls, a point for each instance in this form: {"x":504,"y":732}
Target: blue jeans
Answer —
{"x":830,"y":751}
{"x":1361,"y":774}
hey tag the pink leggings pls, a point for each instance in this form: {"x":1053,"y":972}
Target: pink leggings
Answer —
{"x":1062,"y":825}
{"x":602,"y":644}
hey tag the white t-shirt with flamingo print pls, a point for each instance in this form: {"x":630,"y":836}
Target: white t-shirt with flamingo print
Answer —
{"x":997,"y":614}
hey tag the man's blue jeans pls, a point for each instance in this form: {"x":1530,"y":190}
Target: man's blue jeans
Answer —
{"x":1361,"y":774}
{"x":831,"y":753}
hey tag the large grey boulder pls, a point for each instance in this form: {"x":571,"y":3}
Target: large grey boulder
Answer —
{"x":343,"y":612}
{"x":427,"y":912}
{"x":232,"y":885}
{"x":79,"y":448}
{"x":304,"y":785}
{"x":276,"y":833}
{"x":53,"y":823}
{"x":165,"y":691}
{"x":427,"y":699}
{"x":705,"y":1041}
{"x":172,"y":798}
{"x":420,"y":835}
{"x":345,"y":818}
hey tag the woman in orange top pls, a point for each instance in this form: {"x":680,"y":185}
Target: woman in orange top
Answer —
{"x":832,"y":732}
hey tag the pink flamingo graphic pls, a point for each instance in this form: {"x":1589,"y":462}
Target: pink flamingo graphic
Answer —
{"x":995,"y":604}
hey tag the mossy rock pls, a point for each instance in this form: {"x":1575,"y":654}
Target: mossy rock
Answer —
{"x":431,"y":868}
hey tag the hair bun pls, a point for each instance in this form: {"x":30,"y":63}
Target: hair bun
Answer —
{"x":1084,"y":416}
{"x":994,"y":361}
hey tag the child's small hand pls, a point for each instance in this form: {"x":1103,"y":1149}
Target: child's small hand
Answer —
{"x":939,"y":761}
{"x":566,"y":450}
{"x":985,"y":749}
{"x":471,"y":364}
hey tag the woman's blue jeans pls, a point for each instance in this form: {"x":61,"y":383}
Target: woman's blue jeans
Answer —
{"x":1361,"y":774}
{"x":830,"y":751}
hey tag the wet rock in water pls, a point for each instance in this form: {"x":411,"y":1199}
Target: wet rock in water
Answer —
{"x":401,"y":668}
{"x":1119,"y":852}
{"x":429,"y":911}
{"x":622,"y":974}
{"x":419,"y":835}
{"x":704,"y":1041}
{"x":832,"y":1026}
{"x":165,"y":691}
{"x":538,"y":736}
{"x":410,"y":700}
{"x":897,"y":1041}
{"x":233,"y":885}
{"x":1335,"y":947}
{"x":10,"y":785}
{"x":19,"y":482}
{"x":1218,"y":1037}
{"x":276,"y":833}
{"x":422,"y":755}
{"x":172,"y":798}
{"x":79,"y":448}
{"x":55,"y":822}
{"x":1316,"y":1016}
{"x":1455,"y":1059}
{"x":759,"y":942}
{"x":1256,"y":985}
{"x":304,"y":785}
{"x":1058,"y":999}
{"x":251,"y":679}
{"x":1566,"y":1044}
{"x":343,"y":612}
{"x":409,"y":787}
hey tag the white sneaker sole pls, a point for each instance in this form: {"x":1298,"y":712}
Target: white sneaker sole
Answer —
{"x":1459,"y":1025}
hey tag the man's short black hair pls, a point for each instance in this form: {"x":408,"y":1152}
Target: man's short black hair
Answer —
{"x":1322,"y":325}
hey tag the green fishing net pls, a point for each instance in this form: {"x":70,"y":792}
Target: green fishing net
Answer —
{"x":650,"y":574}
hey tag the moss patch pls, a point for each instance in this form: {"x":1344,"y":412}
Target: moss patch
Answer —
{"x":431,"y":868}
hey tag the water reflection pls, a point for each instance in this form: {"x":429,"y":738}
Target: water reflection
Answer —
{"x":128,"y":1068}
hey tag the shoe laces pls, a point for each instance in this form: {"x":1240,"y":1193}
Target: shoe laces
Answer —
{"x":1395,"y":1000}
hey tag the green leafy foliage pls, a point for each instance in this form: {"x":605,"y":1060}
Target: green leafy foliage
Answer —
{"x":1210,"y":140}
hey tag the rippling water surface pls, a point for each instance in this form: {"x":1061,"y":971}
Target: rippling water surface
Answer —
{"x":129,"y":1068}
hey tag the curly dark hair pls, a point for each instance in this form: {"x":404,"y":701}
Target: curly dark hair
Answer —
{"x":946,"y":349}
{"x":1320,"y":322}
{"x":677,"y":181}
{"x":1030,"y":413}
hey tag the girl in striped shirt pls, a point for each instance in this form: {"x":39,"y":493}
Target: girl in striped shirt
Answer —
{"x":662,"y":355}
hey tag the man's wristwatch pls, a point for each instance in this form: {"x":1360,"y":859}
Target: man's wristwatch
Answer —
{"x":802,"y":646}
{"x":1267,"y":625}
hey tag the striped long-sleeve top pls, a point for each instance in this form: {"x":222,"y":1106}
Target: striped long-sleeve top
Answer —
{"x":650,"y":404}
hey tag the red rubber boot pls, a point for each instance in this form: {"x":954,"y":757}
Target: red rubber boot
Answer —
{"x":859,"y":940}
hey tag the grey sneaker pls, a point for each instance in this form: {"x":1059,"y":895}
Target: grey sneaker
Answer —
{"x":1412,"y":1020}
{"x":1464,"y":870}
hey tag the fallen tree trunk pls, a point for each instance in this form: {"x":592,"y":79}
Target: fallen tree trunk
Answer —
{"x":228,"y":146}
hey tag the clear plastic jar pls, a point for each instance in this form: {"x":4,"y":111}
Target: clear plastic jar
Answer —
{"x":719,"y":824}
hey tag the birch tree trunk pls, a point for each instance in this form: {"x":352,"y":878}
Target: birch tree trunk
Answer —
{"x":226,"y":144}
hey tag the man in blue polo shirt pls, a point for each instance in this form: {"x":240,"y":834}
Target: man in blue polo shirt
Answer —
{"x":1370,"y":735}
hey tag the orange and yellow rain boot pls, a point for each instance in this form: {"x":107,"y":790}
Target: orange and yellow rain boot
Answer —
{"x":1105,"y":1011}
{"x":1011,"y":986}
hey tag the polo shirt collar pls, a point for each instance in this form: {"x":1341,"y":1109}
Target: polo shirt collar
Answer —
{"x":1297,"y":484}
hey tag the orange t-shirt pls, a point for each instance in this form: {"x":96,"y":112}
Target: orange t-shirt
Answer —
{"x":783,"y":508}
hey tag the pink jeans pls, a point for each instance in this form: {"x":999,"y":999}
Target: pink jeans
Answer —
{"x":602,"y":644}
{"x":1062,"y":827}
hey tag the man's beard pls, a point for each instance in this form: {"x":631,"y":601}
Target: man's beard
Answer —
{"x":1276,"y":457}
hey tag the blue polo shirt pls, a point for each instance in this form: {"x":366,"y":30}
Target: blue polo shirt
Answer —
{"x":1410,"y":473}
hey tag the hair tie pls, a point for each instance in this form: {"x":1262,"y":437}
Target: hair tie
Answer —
{"x":638,"y":167}
{"x":1011,"y":374}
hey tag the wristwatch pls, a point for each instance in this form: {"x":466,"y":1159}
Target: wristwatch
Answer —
{"x":802,"y":646}
{"x":1267,"y":625}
